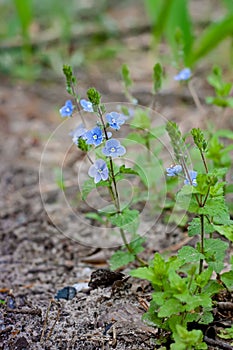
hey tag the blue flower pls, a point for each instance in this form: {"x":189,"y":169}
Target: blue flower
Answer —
{"x":87,"y":105}
{"x":184,"y":74}
{"x":94,"y":136}
{"x":78,"y":132}
{"x":192,"y":175}
{"x":67,"y":109}
{"x":98,"y":170}
{"x":115,"y":120}
{"x":113,"y":149}
{"x":174,"y":170}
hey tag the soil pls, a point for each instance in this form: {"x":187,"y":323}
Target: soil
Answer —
{"x":44,"y":250}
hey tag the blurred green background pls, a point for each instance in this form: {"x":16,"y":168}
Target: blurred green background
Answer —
{"x":38,"y":37}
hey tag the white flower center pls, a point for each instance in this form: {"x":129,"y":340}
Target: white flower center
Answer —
{"x":113,"y":149}
{"x":95,"y":137}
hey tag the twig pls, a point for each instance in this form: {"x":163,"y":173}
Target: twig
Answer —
{"x":46,"y":320}
{"x":54,"y":324}
{"x":218,"y":343}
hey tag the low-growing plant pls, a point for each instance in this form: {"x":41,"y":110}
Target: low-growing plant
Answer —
{"x":184,"y":284}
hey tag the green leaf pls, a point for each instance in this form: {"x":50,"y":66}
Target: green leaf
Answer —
{"x":212,"y":288}
{"x":227,"y":278}
{"x":225,"y":230}
{"x":185,"y":339}
{"x":179,"y":17}
{"x":121,"y":258}
{"x":206,"y":317}
{"x":145,"y":273}
{"x":95,"y":216}
{"x":217,"y":209}
{"x":210,"y":38}
{"x":189,"y":254}
{"x":171,"y":306}
{"x":215,"y":253}
{"x":136,"y":245}
{"x":124,"y":170}
{"x":204,"y":277}
{"x":226,"y":333}
{"x":194,"y":227}
{"x":126,"y":217}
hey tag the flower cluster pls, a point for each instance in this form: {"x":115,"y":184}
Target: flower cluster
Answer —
{"x":175,"y":170}
{"x":96,"y":136}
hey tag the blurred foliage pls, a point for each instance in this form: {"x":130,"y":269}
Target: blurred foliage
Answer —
{"x":44,"y":34}
{"x":172,"y":20}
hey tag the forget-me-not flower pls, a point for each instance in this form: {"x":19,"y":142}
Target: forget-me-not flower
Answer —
{"x":94,"y":136}
{"x":98,"y":170}
{"x":193,"y":176}
{"x":87,"y":105}
{"x":67,"y":109}
{"x":113,"y":148}
{"x":184,"y":74}
{"x":78,"y":132}
{"x":115,"y":120}
{"x":174,"y":170}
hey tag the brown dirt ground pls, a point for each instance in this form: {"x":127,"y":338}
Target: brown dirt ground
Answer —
{"x":36,"y":260}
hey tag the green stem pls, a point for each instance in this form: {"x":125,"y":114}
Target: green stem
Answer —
{"x":202,"y":243}
{"x":204,"y":161}
{"x":77,"y":104}
{"x":115,"y":196}
{"x":185,"y":170}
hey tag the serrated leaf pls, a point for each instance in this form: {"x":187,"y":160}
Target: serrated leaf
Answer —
{"x":214,"y":251}
{"x":146,"y":273}
{"x":170,"y":307}
{"x":121,"y":258}
{"x":189,"y":254}
{"x":217,"y":209}
{"x":227,"y":278}
{"x":125,"y":170}
{"x":204,"y":277}
{"x":126,"y":217}
{"x":136,"y":245}
{"x":194,"y":227}
{"x":212,"y":288}
{"x":225,"y":230}
{"x":206,"y":318}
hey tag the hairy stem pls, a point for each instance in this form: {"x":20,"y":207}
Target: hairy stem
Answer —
{"x":202,"y":243}
{"x":115,"y":196}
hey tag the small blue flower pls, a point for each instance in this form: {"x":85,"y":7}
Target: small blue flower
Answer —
{"x":94,"y":136}
{"x":78,"y":132}
{"x":113,"y":148}
{"x":87,"y":105}
{"x":174,"y":170}
{"x":98,"y":170}
{"x":67,"y":109}
{"x":193,"y":176}
{"x":184,"y":74}
{"x":115,"y":120}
